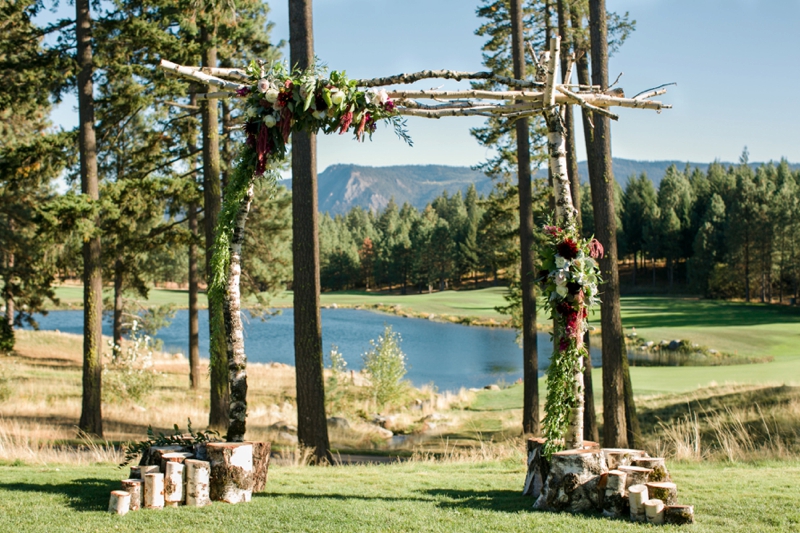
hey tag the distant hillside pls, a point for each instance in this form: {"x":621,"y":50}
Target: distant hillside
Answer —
{"x":342,"y":187}
{"x":624,"y":168}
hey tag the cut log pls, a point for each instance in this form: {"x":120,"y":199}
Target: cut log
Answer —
{"x":231,"y":471}
{"x":261,"y":451}
{"x":615,"y":500}
{"x":135,"y":473}
{"x":654,"y":511}
{"x":138,"y":472}
{"x":657,"y":464}
{"x":637,"y":495}
{"x":154,"y":491}
{"x":538,"y":468}
{"x":679,"y":515}
{"x":153,"y":454}
{"x":198,"y":474}
{"x":617,"y":457}
{"x":173,"y":484}
{"x":174,"y":457}
{"x":636,"y":474}
{"x":664,"y":491}
{"x":119,"y":503}
{"x":573,"y":482}
{"x":134,"y":488}
{"x":200,"y":451}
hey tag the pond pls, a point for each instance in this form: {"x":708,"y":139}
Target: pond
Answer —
{"x":448,"y":355}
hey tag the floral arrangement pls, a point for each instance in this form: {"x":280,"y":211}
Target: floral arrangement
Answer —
{"x":569,"y":279}
{"x":279,"y":102}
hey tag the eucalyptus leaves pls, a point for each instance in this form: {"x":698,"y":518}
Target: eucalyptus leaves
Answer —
{"x":569,"y":279}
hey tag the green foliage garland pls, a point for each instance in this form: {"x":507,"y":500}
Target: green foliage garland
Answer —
{"x":569,"y":278}
{"x":276,"y":103}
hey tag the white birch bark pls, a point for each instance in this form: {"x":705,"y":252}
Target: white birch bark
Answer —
{"x":154,"y":491}
{"x":198,"y":477}
{"x":231,"y":471}
{"x":134,"y":487}
{"x":637,"y":495}
{"x":173,"y":484}
{"x":119,"y":502}
{"x":654,"y":511}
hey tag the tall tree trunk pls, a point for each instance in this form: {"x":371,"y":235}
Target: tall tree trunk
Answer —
{"x":9,"y":295}
{"x":602,"y":182}
{"x":530,"y":352}
{"x":312,"y":428}
{"x":589,"y":414}
{"x":194,"y":323}
{"x":91,"y":420}
{"x":119,"y":269}
{"x":220,"y":400}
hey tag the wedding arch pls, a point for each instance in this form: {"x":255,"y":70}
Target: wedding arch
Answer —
{"x":278,"y":101}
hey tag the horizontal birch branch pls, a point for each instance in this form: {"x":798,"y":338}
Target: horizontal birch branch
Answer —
{"x":195,"y":73}
{"x":446,"y":75}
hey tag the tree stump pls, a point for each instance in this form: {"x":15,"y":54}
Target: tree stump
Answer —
{"x":679,"y":515}
{"x":573,"y":482}
{"x":231,"y":471}
{"x":173,"y":484}
{"x":617,"y":457}
{"x":119,"y":503}
{"x":636,"y":474}
{"x":174,"y":457}
{"x":138,"y":472}
{"x":637,"y":495}
{"x":134,"y":488}
{"x":665,"y":491}
{"x":261,"y":451}
{"x":615,"y":500}
{"x":198,"y":475}
{"x":154,"y":491}
{"x":153,"y":454}
{"x":657,"y":464}
{"x":538,"y":468}
{"x":654,"y":511}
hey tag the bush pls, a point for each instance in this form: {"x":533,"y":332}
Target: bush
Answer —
{"x":6,"y":336}
{"x":385,"y":364}
{"x":129,"y":375}
{"x":337,"y":386}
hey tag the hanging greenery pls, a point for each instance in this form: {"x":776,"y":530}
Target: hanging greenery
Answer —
{"x":569,"y":278}
{"x":278,"y":102}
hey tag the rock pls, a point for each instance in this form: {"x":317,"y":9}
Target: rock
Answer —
{"x":492,"y":387}
{"x":674,"y":345}
{"x":334,"y":306}
{"x":649,"y":344}
{"x":384,"y":433}
{"x":337,"y":422}
{"x":287,"y":437}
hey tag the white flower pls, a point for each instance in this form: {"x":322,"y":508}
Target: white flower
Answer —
{"x":560,"y":278}
{"x":377,"y":96}
{"x":271,"y":96}
{"x":561,"y":262}
{"x":270,"y":121}
{"x":263,"y":85}
{"x":337,"y":97}
{"x":561,"y":290}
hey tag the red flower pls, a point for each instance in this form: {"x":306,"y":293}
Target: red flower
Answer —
{"x":564,"y":309}
{"x":389,"y":105}
{"x":596,"y":249}
{"x":263,"y":148}
{"x":345,"y":121}
{"x":286,"y":124}
{"x":243,"y":91}
{"x":251,"y":131}
{"x":361,"y":125}
{"x":568,"y":249}
{"x":553,"y":231}
{"x":284,"y":97}
{"x":573,"y":323}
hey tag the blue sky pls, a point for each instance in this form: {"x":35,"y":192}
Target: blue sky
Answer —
{"x":736,"y":62}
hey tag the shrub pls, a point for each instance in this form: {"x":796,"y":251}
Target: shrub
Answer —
{"x":6,"y":336}
{"x":336,"y":388}
{"x":129,"y":375}
{"x":385,"y":364}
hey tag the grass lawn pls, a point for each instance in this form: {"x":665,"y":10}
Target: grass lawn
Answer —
{"x":416,"y":496}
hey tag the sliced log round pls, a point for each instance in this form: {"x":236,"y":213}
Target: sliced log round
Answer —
{"x":119,"y":502}
{"x":615,"y":501}
{"x":637,"y":495}
{"x":198,"y":475}
{"x":573,"y":482}
{"x":657,"y":464}
{"x":636,"y":474}
{"x":154,"y":491}
{"x":679,"y":514}
{"x":261,"y":451}
{"x":174,"y":457}
{"x":664,"y":491}
{"x":173,"y":484}
{"x":138,"y":472}
{"x":654,"y":511}
{"x":134,"y":487}
{"x":617,"y":457}
{"x":231,"y":471}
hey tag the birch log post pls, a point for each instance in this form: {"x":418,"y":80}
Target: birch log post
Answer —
{"x":198,"y":477}
{"x":615,"y":501}
{"x":138,"y":472}
{"x":637,"y":495}
{"x":657,"y":464}
{"x":173,"y":484}
{"x":261,"y":453}
{"x":654,"y":511}
{"x":538,"y":468}
{"x":174,"y":457}
{"x":664,"y":491}
{"x":154,"y":491}
{"x":636,"y":474}
{"x":231,"y":471}
{"x":679,"y":515}
{"x":119,"y":502}
{"x":134,"y":487}
{"x":234,"y":329}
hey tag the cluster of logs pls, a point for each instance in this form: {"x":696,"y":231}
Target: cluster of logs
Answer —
{"x":616,"y":482}
{"x":169,"y":476}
